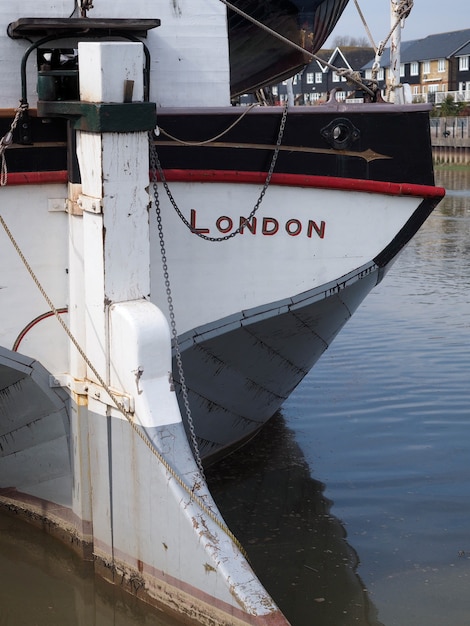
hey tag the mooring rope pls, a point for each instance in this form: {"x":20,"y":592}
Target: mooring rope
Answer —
{"x":402,"y":11}
{"x":350,"y":74}
{"x":143,"y":436}
{"x":212,"y":139}
{"x":6,"y":141}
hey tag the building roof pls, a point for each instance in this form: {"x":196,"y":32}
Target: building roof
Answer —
{"x":353,"y":56}
{"x":463,"y":51}
{"x":385,"y":60}
{"x":440,"y":46}
{"x":357,"y":56}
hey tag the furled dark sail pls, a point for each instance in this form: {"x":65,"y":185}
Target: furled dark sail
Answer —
{"x":257,"y":58}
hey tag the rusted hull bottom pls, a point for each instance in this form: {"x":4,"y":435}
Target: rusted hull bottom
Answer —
{"x":155,"y":589}
{"x":138,"y":519}
{"x":240,"y":371}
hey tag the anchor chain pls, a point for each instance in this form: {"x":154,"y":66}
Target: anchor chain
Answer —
{"x":171,"y":310}
{"x":6,"y":141}
{"x":156,"y":166}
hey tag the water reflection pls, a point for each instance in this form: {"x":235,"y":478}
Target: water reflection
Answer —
{"x":453,"y":178}
{"x":442,"y":247}
{"x":296,"y":546}
{"x":42,"y":583}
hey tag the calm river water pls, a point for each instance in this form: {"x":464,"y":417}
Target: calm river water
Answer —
{"x":354,"y":503}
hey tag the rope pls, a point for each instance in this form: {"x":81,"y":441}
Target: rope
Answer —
{"x":190,"y":491}
{"x":6,"y":141}
{"x":206,"y":141}
{"x":402,"y":11}
{"x":345,"y":71}
{"x":366,"y":26}
{"x":156,"y":165}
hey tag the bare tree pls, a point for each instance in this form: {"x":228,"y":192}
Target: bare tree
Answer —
{"x":347,"y":41}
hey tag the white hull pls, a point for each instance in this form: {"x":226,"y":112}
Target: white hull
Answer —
{"x":92,"y":439}
{"x":297,"y":291}
{"x":334,"y":232}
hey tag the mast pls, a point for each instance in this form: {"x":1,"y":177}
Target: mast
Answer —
{"x":399,"y":11}
{"x":396,"y":88}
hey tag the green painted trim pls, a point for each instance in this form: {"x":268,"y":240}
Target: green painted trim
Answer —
{"x":96,"y":117}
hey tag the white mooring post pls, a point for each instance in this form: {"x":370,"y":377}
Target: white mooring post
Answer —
{"x":148,"y":532}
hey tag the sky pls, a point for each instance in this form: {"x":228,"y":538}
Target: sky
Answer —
{"x":428,"y":17}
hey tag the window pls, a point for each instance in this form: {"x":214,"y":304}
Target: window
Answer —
{"x":441,"y":65}
{"x":318,"y":77}
{"x":433,"y":88}
{"x":416,"y":90}
{"x":380,"y":74}
{"x":310,"y":77}
{"x":402,"y":69}
{"x":463,"y":63}
{"x":368,"y":74}
{"x":311,"y":97}
{"x":336,"y":78}
{"x":427,"y":67}
{"x":414,"y":69}
{"x":275,"y":90}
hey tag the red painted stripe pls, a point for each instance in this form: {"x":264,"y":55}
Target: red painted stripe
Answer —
{"x":36,"y":178}
{"x":303,"y":180}
{"x":258,"y":178}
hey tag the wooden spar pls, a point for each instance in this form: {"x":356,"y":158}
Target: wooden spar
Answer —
{"x":399,"y":92}
{"x":395,"y":44}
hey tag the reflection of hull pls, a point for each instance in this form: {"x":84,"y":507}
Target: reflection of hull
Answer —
{"x":297,"y":547}
{"x":257,"y":58}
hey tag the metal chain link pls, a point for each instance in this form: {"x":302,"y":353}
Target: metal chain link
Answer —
{"x":6,"y":141}
{"x":155,"y":165}
{"x":171,"y":310}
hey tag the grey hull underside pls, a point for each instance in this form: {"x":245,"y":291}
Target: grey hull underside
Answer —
{"x":238,"y":373}
{"x":241,"y":369}
{"x":34,"y":431}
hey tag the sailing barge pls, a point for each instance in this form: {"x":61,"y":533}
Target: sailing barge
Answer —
{"x":153,"y":323}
